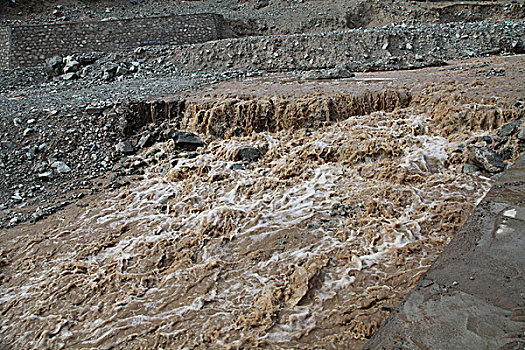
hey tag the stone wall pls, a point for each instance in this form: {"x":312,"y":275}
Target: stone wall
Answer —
{"x":32,"y":44}
{"x":4,"y":47}
{"x":381,"y":48}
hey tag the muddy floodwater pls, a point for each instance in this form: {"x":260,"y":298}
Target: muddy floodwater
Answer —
{"x":310,"y":246}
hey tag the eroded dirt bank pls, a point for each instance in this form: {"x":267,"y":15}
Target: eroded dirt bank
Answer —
{"x":303,"y":232}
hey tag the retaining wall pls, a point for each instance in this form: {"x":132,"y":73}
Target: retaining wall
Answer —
{"x":30,"y":45}
{"x":382,"y":48}
{"x":4,"y":47}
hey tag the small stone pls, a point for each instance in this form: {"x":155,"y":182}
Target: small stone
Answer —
{"x":488,"y":140}
{"x":259,"y":4}
{"x":61,"y":167}
{"x":237,"y":166}
{"x":144,"y":141}
{"x":509,"y":128}
{"x":469,"y":168}
{"x":121,"y":70}
{"x":94,"y":110}
{"x":89,"y":58}
{"x":71,"y":65}
{"x":48,"y":175}
{"x":107,"y":76}
{"x":248,"y":154}
{"x":165,"y":199}
{"x":521,"y":134}
{"x":124,"y":147}
{"x":36,"y":216}
{"x":455,"y":283}
{"x":69,"y":76}
{"x":54,"y":66}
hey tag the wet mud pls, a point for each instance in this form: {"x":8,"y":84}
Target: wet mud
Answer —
{"x":310,"y":246}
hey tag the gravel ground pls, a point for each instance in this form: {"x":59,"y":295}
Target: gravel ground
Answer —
{"x":271,"y":17}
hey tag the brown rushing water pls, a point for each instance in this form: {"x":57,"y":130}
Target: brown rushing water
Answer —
{"x":309,"y":247}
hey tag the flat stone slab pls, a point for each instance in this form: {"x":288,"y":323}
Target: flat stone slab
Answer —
{"x":473,"y":296}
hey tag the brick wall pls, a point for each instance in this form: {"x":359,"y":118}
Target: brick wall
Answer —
{"x":4,"y":47}
{"x":32,"y":44}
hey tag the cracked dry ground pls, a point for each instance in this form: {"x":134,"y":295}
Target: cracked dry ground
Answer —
{"x":310,"y":246}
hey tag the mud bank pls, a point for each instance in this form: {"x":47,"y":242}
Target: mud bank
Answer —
{"x":226,"y":117}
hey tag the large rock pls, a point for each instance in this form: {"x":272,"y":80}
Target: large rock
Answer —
{"x":340,"y":71}
{"x":54,"y":66}
{"x":187,"y":140}
{"x":486,"y":159}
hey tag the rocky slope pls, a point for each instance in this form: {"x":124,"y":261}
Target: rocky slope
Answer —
{"x":271,"y":17}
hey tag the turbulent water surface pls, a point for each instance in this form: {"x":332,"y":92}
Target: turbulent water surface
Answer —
{"x":310,"y":246}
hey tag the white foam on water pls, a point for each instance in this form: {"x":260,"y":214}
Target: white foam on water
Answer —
{"x":207,"y":246}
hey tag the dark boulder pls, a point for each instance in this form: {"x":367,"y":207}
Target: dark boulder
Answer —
{"x":247,"y":154}
{"x":486,"y":159}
